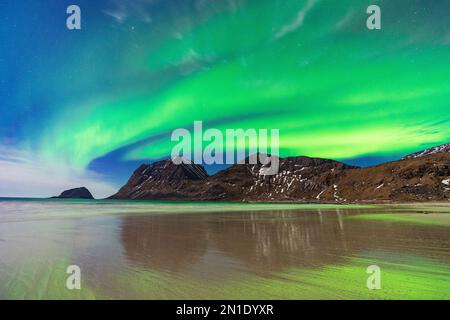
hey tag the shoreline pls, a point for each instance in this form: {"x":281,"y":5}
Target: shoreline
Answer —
{"x":364,"y":202}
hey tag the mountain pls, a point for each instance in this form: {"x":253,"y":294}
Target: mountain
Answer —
{"x":413,"y":179}
{"x":161,"y":180}
{"x":304,"y":179}
{"x":298,"y":178}
{"x":77,"y":193}
{"x":427,"y":152}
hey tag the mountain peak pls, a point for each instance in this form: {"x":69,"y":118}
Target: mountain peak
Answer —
{"x":160,"y":179}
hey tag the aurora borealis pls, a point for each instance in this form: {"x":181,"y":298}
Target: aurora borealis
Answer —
{"x":96,"y":102}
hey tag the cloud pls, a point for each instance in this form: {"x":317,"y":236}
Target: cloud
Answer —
{"x":344,"y":20}
{"x":118,"y":14}
{"x":121,"y":10}
{"x":21,"y":175}
{"x":298,"y":20}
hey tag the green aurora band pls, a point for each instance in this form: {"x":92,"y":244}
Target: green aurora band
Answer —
{"x":309,"y":68}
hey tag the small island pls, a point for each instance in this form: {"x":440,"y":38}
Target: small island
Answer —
{"x":76,"y":193}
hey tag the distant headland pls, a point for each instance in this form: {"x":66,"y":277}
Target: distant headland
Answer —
{"x":76,"y":193}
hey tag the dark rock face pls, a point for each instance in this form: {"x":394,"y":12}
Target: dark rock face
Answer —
{"x":77,"y":193}
{"x":413,"y":179}
{"x":304,"y":179}
{"x":298,"y":178}
{"x":162,"y":180}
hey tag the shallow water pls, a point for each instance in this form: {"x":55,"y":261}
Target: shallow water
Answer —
{"x":163,"y":250}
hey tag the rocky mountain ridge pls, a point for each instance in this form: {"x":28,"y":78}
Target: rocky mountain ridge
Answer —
{"x":423,"y":177}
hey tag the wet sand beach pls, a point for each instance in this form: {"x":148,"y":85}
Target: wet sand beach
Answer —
{"x":163,"y":250}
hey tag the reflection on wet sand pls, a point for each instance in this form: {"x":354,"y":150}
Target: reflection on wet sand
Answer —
{"x":206,"y":251}
{"x":164,"y":242}
{"x":267,"y":242}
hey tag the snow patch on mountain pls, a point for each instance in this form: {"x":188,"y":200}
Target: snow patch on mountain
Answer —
{"x":430,"y":151}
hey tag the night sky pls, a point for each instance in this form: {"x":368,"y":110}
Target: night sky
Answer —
{"x":86,"y":107}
